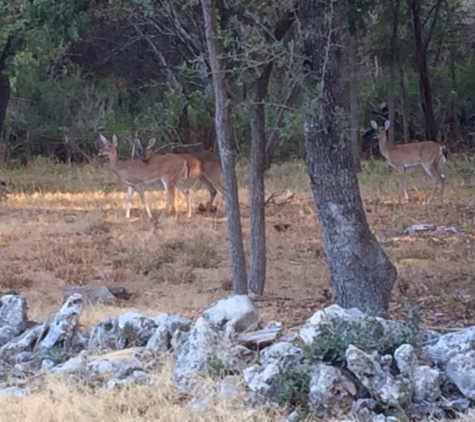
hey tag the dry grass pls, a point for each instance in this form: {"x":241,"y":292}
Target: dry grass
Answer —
{"x":63,"y":225}
{"x":57,"y":401}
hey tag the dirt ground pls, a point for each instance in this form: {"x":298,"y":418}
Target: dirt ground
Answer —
{"x":65,"y":225}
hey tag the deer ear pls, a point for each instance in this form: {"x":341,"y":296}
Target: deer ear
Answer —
{"x":152,"y":141}
{"x":387,"y":124}
{"x":103,"y":139}
{"x":374,"y":125}
{"x":115,"y":142}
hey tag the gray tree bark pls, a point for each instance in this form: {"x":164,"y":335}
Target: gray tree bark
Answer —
{"x":222,"y":120}
{"x":360,"y":272}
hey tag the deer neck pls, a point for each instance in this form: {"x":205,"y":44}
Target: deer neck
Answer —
{"x":384,"y":146}
{"x":114,"y":163}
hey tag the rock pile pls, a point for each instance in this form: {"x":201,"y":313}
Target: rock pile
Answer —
{"x":341,"y":362}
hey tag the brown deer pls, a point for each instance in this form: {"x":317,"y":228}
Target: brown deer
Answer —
{"x":428,"y":154}
{"x":203,"y":165}
{"x":168,"y":168}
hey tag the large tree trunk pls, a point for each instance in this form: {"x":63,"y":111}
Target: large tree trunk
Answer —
{"x":423,"y":69}
{"x":403,"y":101}
{"x":4,"y":87}
{"x":354,"y":101}
{"x":222,"y":119}
{"x":361,"y":274}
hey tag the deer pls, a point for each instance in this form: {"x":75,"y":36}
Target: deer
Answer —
{"x":203,"y":165}
{"x":169,"y":169}
{"x":429,"y":155}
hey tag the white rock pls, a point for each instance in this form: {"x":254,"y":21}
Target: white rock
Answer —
{"x":64,"y":326}
{"x":136,"y":328}
{"x":203,"y":349}
{"x":426,"y":384}
{"x":12,"y":317}
{"x":160,"y":340}
{"x":14,"y":392}
{"x":237,"y":312}
{"x":379,"y":383}
{"x":106,"y":336}
{"x":283,"y":354}
{"x":260,"y":379}
{"x":461,"y":370}
{"x":450,"y":345}
{"x":330,"y":390}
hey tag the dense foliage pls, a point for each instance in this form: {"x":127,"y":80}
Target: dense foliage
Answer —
{"x":128,"y":66}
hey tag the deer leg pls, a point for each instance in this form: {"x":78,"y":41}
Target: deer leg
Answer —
{"x":128,"y":202}
{"x":168,"y":193}
{"x":402,"y":178}
{"x":212,"y":191}
{"x":142,"y":197}
{"x":186,"y":194}
{"x":435,"y":174}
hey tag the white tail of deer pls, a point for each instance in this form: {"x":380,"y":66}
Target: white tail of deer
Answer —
{"x":203,"y":165}
{"x":168,"y":169}
{"x":428,"y":154}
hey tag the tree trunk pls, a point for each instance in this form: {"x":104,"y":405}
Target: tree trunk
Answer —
{"x":393,"y":60}
{"x":354,"y":101}
{"x":222,"y":120}
{"x":257,"y":262}
{"x":423,"y":71}
{"x":361,"y":274}
{"x":403,"y":100}
{"x":4,"y":87}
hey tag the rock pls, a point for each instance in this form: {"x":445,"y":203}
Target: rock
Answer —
{"x":136,"y":329}
{"x":426,"y":384}
{"x":430,"y":337}
{"x":26,"y":342}
{"x":311,"y":330}
{"x":460,"y":404}
{"x":261,"y":379}
{"x":330,"y":391}
{"x":261,"y":338}
{"x":204,"y":350}
{"x":380,"y":384}
{"x":449,"y":345}
{"x":106,"y":336}
{"x":72,"y":366}
{"x":406,"y":360}
{"x":173,"y":323}
{"x":237,"y":312}
{"x":14,"y":392}
{"x":63,"y":327}
{"x":137,"y":377}
{"x":229,"y":388}
{"x":92,"y":295}
{"x":177,"y":340}
{"x":283,"y":354}
{"x":461,"y":370}
{"x":160,"y":340}
{"x":47,"y":364}
{"x":13,"y":317}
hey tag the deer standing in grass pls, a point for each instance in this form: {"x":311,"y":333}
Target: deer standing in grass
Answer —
{"x":203,"y":165}
{"x":428,"y":154}
{"x":168,"y":168}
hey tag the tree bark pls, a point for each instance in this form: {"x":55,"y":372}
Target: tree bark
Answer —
{"x":393,"y":60}
{"x":403,"y":100}
{"x":354,"y":101}
{"x":4,"y":86}
{"x":257,"y":261}
{"x":423,"y":70}
{"x":360,"y":272}
{"x":222,"y":120}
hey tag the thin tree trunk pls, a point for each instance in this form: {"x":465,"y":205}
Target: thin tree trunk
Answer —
{"x":354,"y":101}
{"x":361,"y":273}
{"x":393,"y":60}
{"x":4,"y":87}
{"x":403,"y":100}
{"x":257,"y":261}
{"x":423,"y":71}
{"x":222,"y":119}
